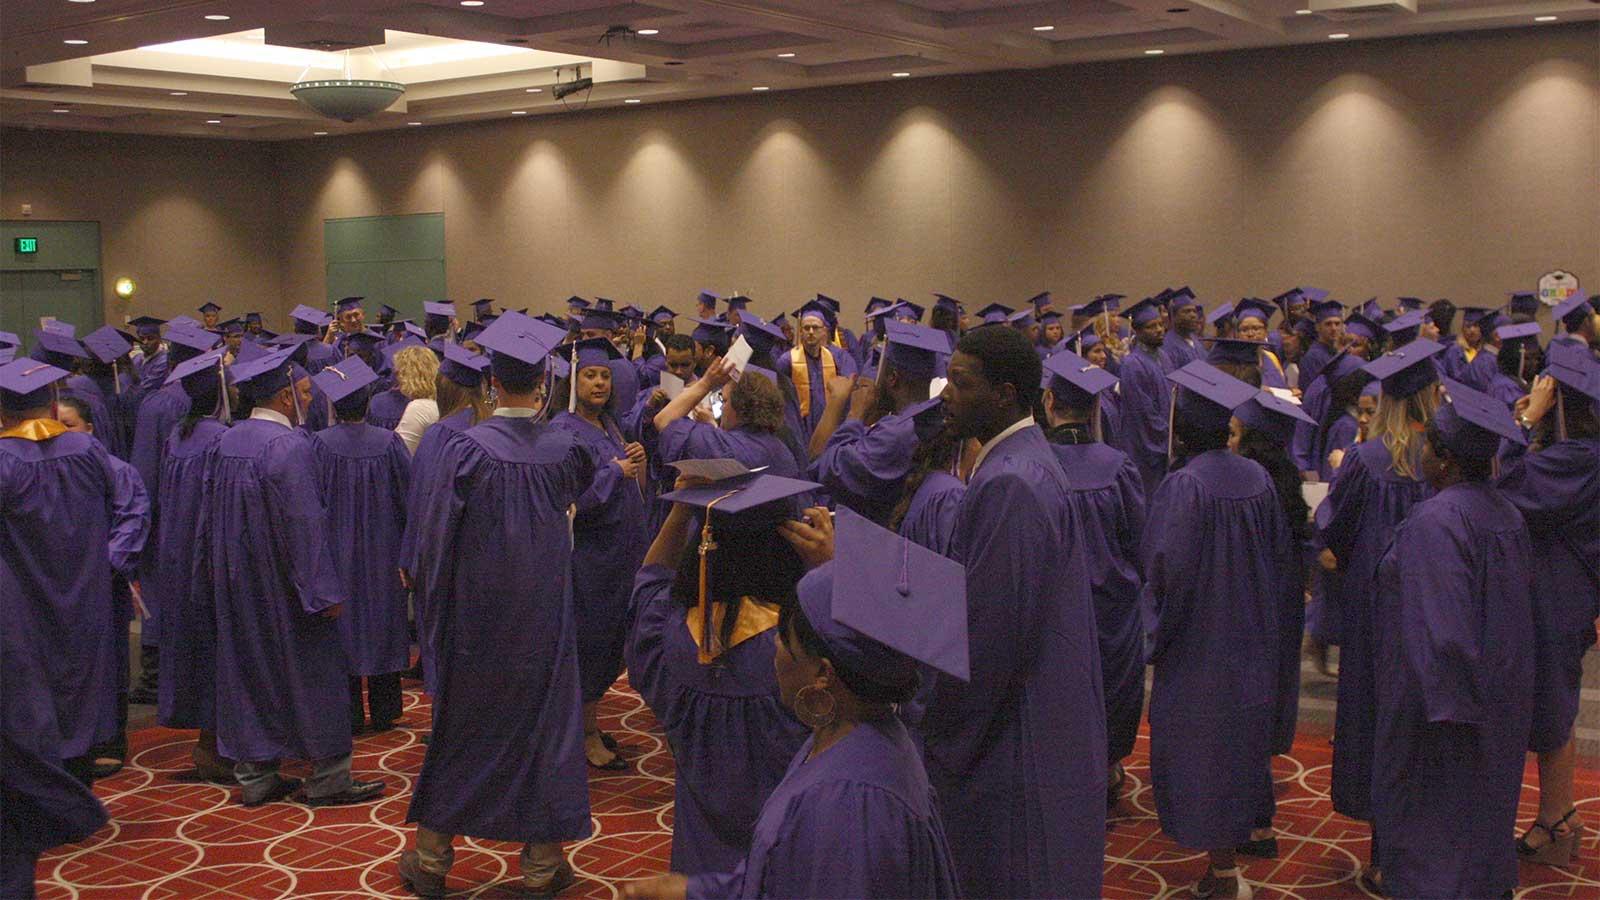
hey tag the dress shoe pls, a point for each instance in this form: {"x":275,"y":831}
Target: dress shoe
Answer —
{"x":422,"y":882}
{"x":357,"y":792}
{"x":560,"y":881}
{"x":281,"y":788}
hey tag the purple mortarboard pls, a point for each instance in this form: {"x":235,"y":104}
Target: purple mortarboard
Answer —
{"x":994,"y":313}
{"x":1049,"y":317}
{"x":1163,"y":297}
{"x":1406,"y":370}
{"x":886,"y":605}
{"x":1313,"y":294}
{"x":191,"y":337}
{"x":1075,"y":379}
{"x":439,"y":309}
{"x":471,"y":330}
{"x":414,"y":330}
{"x":107,"y":344}
{"x":830,"y":303}
{"x":1341,"y":365}
{"x":1574,"y":368}
{"x":1087,"y":338}
{"x":877,"y":303}
{"x":1102,"y":304}
{"x":483,"y":306}
{"x":1143,"y":312}
{"x":708,"y":330}
{"x":254,"y":318}
{"x":631,"y":313}
{"x":946,"y":302}
{"x":1253,"y":308}
{"x":1183,"y":297}
{"x":738,"y":302}
{"x":7,"y":353}
{"x":250,"y":350}
{"x":344,"y":378}
{"x":517,"y":338}
{"x":263,"y":375}
{"x":208,"y":307}
{"x":744,"y":494}
{"x":366,"y":338}
{"x":462,"y":366}
{"x":706,"y":299}
{"x":906,"y":311}
{"x":1022,"y":318}
{"x":598,"y":319}
{"x":1222,"y":312}
{"x":1360,"y":324}
{"x":27,"y":376}
{"x":57,"y":349}
{"x":1470,"y":315}
{"x":661,"y":315}
{"x":1518,"y":332}
{"x":1573,"y":310}
{"x":1209,"y":395}
{"x":1327,"y":309}
{"x":56,"y":326}
{"x":1524,"y":303}
{"x":1371,"y":309}
{"x":1472,"y":423}
{"x":761,"y":335}
{"x":175,"y":321}
{"x":204,"y":364}
{"x":1403,"y":328}
{"x":310,"y":315}
{"x":1040,"y":302}
{"x":594,"y":352}
{"x":1272,"y":415}
{"x":9,"y":339}
{"x":914,"y":349}
{"x":604,"y":304}
{"x":1291,"y":297}
{"x":817,"y":309}
{"x":1234,"y":350}
{"x":386,"y":313}
{"x":145,"y":326}
{"x":1411,"y":304}
{"x":345,"y":304}
{"x":232,"y":326}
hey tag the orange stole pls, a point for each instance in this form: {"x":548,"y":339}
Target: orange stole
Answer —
{"x":800,"y":374}
{"x":35,"y":430}
{"x":755,"y":617}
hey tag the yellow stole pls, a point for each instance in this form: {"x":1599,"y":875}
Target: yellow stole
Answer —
{"x":755,"y":616}
{"x":1466,"y":351}
{"x":800,"y":374}
{"x":35,"y":430}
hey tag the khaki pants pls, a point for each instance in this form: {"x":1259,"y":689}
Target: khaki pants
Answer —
{"x":540,"y":862}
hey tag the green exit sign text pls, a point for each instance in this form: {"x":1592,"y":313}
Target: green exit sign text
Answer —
{"x":27,"y":245}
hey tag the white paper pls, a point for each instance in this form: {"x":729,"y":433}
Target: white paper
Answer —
{"x":714,"y":469}
{"x":1284,"y":394}
{"x":936,"y":387}
{"x":739,"y":355}
{"x":1314,"y":493}
{"x":671,"y":384}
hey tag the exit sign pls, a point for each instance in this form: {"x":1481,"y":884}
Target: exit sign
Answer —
{"x":27,"y":245}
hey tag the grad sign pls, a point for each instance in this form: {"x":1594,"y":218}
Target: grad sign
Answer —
{"x":1554,"y":287}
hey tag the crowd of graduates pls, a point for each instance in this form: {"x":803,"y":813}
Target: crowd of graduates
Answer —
{"x":891,"y":596}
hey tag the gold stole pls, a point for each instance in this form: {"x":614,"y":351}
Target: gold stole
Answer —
{"x":800,"y":374}
{"x":1466,"y":351}
{"x":755,"y":616}
{"x":35,"y":430}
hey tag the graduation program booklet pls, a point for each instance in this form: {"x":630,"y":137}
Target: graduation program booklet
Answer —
{"x":739,"y":354}
{"x":713,"y":469}
{"x":671,"y":385}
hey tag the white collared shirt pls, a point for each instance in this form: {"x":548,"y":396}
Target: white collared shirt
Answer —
{"x":270,"y":415}
{"x":515,"y":412}
{"x":983,"y":452}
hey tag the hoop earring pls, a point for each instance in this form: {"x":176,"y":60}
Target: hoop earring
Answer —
{"x":814,"y":714}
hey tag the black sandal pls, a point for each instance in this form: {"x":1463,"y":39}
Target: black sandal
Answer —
{"x":1559,"y":849}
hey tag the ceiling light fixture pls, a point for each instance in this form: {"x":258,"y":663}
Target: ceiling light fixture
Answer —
{"x":900,"y":74}
{"x":178,"y":94}
{"x":213,"y":121}
{"x":786,"y":56}
{"x":1154,"y":52}
{"x":471,"y":2}
{"x":80,"y":1}
{"x":60,"y":110}
{"x":413,"y":123}
{"x":217,"y":17}
{"x":1044,"y":28}
{"x":519,"y":112}
{"x":761,"y":87}
{"x":1338,"y":36}
{"x":76,"y":42}
{"x":631,"y":100}
{"x":1545,"y":18}
{"x":534,"y":91}
{"x":1302,"y":12}
{"x":648,"y":31}
{"x":318,"y":133}
{"x":355,"y":92}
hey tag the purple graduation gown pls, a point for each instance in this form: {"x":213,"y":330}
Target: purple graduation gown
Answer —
{"x":1366,"y":501}
{"x":281,"y":671}
{"x":1107,"y":499}
{"x":1217,"y":554}
{"x":364,"y":473}
{"x":1455,"y":679}
{"x":864,"y":467}
{"x":1312,"y":362}
{"x":506,"y":760}
{"x":1018,"y":755}
{"x":1142,"y":415}
{"x":153,"y":371}
{"x":687,"y":439}
{"x":731,"y":737}
{"x":384,"y":410}
{"x":859,"y":820}
{"x":843,"y":364}
{"x":608,"y":544}
{"x":188,"y":686}
{"x":1177,"y":352}
{"x":60,"y":502}
{"x":107,"y":428}
{"x":638,"y":424}
{"x":930,"y":520}
{"x":423,"y":465}
{"x":1557,"y":490}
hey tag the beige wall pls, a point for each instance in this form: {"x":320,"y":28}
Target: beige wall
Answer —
{"x":189,"y":220}
{"x":1460,"y":166}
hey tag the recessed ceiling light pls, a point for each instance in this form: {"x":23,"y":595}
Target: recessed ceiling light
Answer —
{"x":1044,"y":28}
{"x":786,"y":56}
{"x":648,"y":31}
{"x":1337,"y":36}
{"x":75,"y":41}
{"x":213,"y":121}
{"x":1545,"y":18}
{"x":60,"y":110}
{"x":1154,"y":52}
{"x":900,"y":74}
{"x":534,"y":91}
{"x":413,"y":123}
{"x":318,"y":133}
{"x":631,"y":100}
{"x":761,"y":87}
{"x":1302,"y":12}
{"x":217,"y":17}
{"x":519,"y":112}
{"x":178,"y":94}
{"x":80,"y":1}
{"x":471,"y":2}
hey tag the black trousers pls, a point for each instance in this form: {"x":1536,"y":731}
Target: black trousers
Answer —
{"x":383,"y":699}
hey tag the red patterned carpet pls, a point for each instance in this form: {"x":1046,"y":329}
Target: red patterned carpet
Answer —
{"x":171,"y":840}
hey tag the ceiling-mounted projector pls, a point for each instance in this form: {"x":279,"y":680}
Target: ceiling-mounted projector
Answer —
{"x":567,"y":88}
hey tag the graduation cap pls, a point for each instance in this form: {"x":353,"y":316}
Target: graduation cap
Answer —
{"x":365,"y":339}
{"x":1049,"y":317}
{"x":604,"y":304}
{"x":1250,"y":307}
{"x":661,"y":315}
{"x":207,"y":364}
{"x":1209,"y":395}
{"x":1518,"y":339}
{"x":706,"y":299}
{"x":56,"y":326}
{"x":462,"y":366}
{"x":1225,"y":311}
{"x":1163,"y":298}
{"x":1143,"y":312}
{"x":631,"y":313}
{"x":816,"y":309}
{"x":386,"y":314}
{"x":762,"y":336}
{"x":1472,"y":315}
{"x":106,"y":344}
{"x":310,"y":316}
{"x":484,"y":306}
{"x":1234,"y":350}
{"x":948,"y":303}
{"x":1575,"y":369}
{"x":1272,"y":415}
{"x":914,"y":349}
{"x":1087,"y":338}
{"x":885,"y":606}
{"x":878,"y":303}
{"x":21,"y":379}
{"x":1313,"y":294}
{"x":829,"y":302}
{"x":209,"y":308}
{"x":1182,"y":297}
{"x":738,"y":302}
{"x":1040,"y":302}
{"x":516,"y":338}
{"x":1406,"y":370}
{"x":1411,"y":304}
{"x":1471,"y":425}
{"x":995,"y":313}
{"x":1358,"y":323}
{"x":345,"y":304}
{"x":412,"y":329}
{"x":1075,"y":379}
{"x":232,"y":326}
{"x":594,"y":352}
{"x":147,"y":326}
{"x":1105,"y":303}
{"x":344,"y":378}
{"x":57,"y":349}
{"x":1022,"y":318}
{"x":264,"y":375}
{"x":1322,"y":310}
{"x":708,"y":331}
{"x":598,"y":319}
{"x":254,"y":318}
{"x":1523,"y":303}
{"x":189,"y":338}
{"x":906,"y":311}
{"x":1404,"y":327}
{"x":439,"y":309}
{"x":1572,"y":311}
{"x":471,"y":330}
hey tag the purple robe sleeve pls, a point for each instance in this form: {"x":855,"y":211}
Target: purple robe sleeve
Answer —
{"x":1441,"y":647}
{"x":438,"y":522}
{"x":130,"y":515}
{"x":1131,"y":525}
{"x":687,"y":439}
{"x":652,"y":610}
{"x":1170,"y":560}
{"x":1344,"y":519}
{"x":290,"y":478}
{"x":867,"y":462}
{"x":846,"y":839}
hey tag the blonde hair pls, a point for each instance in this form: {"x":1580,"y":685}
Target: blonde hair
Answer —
{"x":757,"y":403}
{"x":414,"y":370}
{"x":1399,"y":422}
